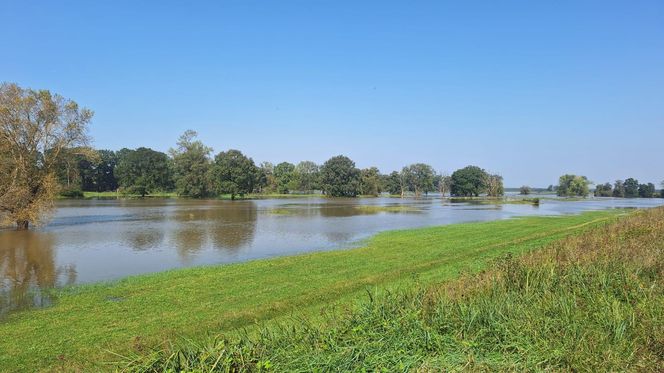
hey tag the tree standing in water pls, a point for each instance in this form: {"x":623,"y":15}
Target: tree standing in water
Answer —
{"x":36,"y":130}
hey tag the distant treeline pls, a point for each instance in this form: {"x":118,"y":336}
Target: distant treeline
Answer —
{"x":190,"y":170}
{"x":579,"y":186}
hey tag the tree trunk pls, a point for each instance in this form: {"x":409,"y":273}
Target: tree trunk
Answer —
{"x":22,"y":225}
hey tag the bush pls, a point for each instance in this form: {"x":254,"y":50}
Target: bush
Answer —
{"x":72,"y":193}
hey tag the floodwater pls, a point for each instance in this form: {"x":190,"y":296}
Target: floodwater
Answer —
{"x":99,"y":240}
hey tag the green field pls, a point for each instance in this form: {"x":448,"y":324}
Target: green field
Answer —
{"x":139,"y":312}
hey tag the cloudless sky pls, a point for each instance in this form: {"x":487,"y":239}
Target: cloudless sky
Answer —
{"x":529,"y":89}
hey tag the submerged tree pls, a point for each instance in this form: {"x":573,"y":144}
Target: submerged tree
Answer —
{"x":525,"y":190}
{"x":371,"y":182}
{"x":469,"y":181}
{"x":444,"y":183}
{"x":573,"y":186}
{"x":36,"y":130}
{"x":494,"y":185}
{"x":604,"y":190}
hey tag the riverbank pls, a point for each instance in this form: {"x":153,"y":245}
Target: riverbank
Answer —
{"x":130,"y":315}
{"x":590,"y":302}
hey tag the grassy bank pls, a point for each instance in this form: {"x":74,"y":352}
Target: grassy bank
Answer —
{"x":592,"y":302}
{"x":133,"y":314}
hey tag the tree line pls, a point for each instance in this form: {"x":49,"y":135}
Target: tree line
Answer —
{"x":191,"y":170}
{"x":579,"y":186}
{"x":44,"y":150}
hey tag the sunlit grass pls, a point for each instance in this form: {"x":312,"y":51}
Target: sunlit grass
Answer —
{"x":593,"y":302}
{"x":88,"y":321}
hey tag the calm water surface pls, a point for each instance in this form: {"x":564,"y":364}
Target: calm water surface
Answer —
{"x":97,"y":240}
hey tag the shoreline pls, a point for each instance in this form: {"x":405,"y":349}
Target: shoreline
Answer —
{"x":88,"y":319}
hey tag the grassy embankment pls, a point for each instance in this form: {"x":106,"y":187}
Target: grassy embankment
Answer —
{"x":590,"y":302}
{"x":133,"y":314}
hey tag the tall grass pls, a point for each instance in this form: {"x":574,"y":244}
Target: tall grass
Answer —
{"x":593,"y":302}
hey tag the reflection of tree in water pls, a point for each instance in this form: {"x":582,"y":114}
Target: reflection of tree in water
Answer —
{"x":233,"y":225}
{"x":225,"y":225}
{"x":27,"y":269}
{"x":144,"y":239}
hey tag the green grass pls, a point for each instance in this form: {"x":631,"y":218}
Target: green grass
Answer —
{"x":140,"y":311}
{"x":591,"y":302}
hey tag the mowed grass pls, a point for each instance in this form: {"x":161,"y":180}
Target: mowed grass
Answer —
{"x":592,"y":302}
{"x":130,"y":315}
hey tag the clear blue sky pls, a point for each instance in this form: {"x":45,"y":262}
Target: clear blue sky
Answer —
{"x":529,"y":89}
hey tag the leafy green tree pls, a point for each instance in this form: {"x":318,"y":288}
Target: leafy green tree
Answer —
{"x":233,"y":173}
{"x":266,"y":182}
{"x":144,"y":171}
{"x":393,"y":183}
{"x":604,"y":190}
{"x":371,"y":182}
{"x":647,"y":190}
{"x":307,"y":174}
{"x":631,"y":188}
{"x":419,"y":178}
{"x":340,"y":177}
{"x":284,"y":173}
{"x":619,"y":189}
{"x":662,"y":191}
{"x":104,"y":172}
{"x":468,"y":182}
{"x":191,"y":166}
{"x":573,"y":186}
{"x":525,"y":190}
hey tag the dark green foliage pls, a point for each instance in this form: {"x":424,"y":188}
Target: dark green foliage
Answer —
{"x":233,"y":173}
{"x":371,"y":182}
{"x":143,"y":171}
{"x":284,"y":174}
{"x":72,"y":193}
{"x":525,"y":190}
{"x":468,"y":182}
{"x":604,"y":190}
{"x":340,"y":177}
{"x":647,"y":190}
{"x":619,"y":189}
{"x":631,"y":188}
{"x":191,"y":166}
{"x":573,"y":186}
{"x":393,"y":183}
{"x":418,"y":178}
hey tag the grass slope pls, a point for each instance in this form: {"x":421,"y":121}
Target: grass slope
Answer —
{"x":140,"y":311}
{"x":592,"y":302}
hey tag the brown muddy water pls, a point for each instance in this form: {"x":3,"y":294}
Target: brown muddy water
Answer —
{"x":100,"y":240}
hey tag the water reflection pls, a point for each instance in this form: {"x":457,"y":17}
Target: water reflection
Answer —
{"x":27,"y":269}
{"x":91,"y":241}
{"x":235,"y":226}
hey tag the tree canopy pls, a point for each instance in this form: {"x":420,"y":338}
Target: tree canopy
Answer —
{"x":36,"y":129}
{"x":191,"y":166}
{"x":233,"y":173}
{"x":144,"y":171}
{"x":340,"y":177}
{"x":468,"y":182}
{"x":573,"y":186}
